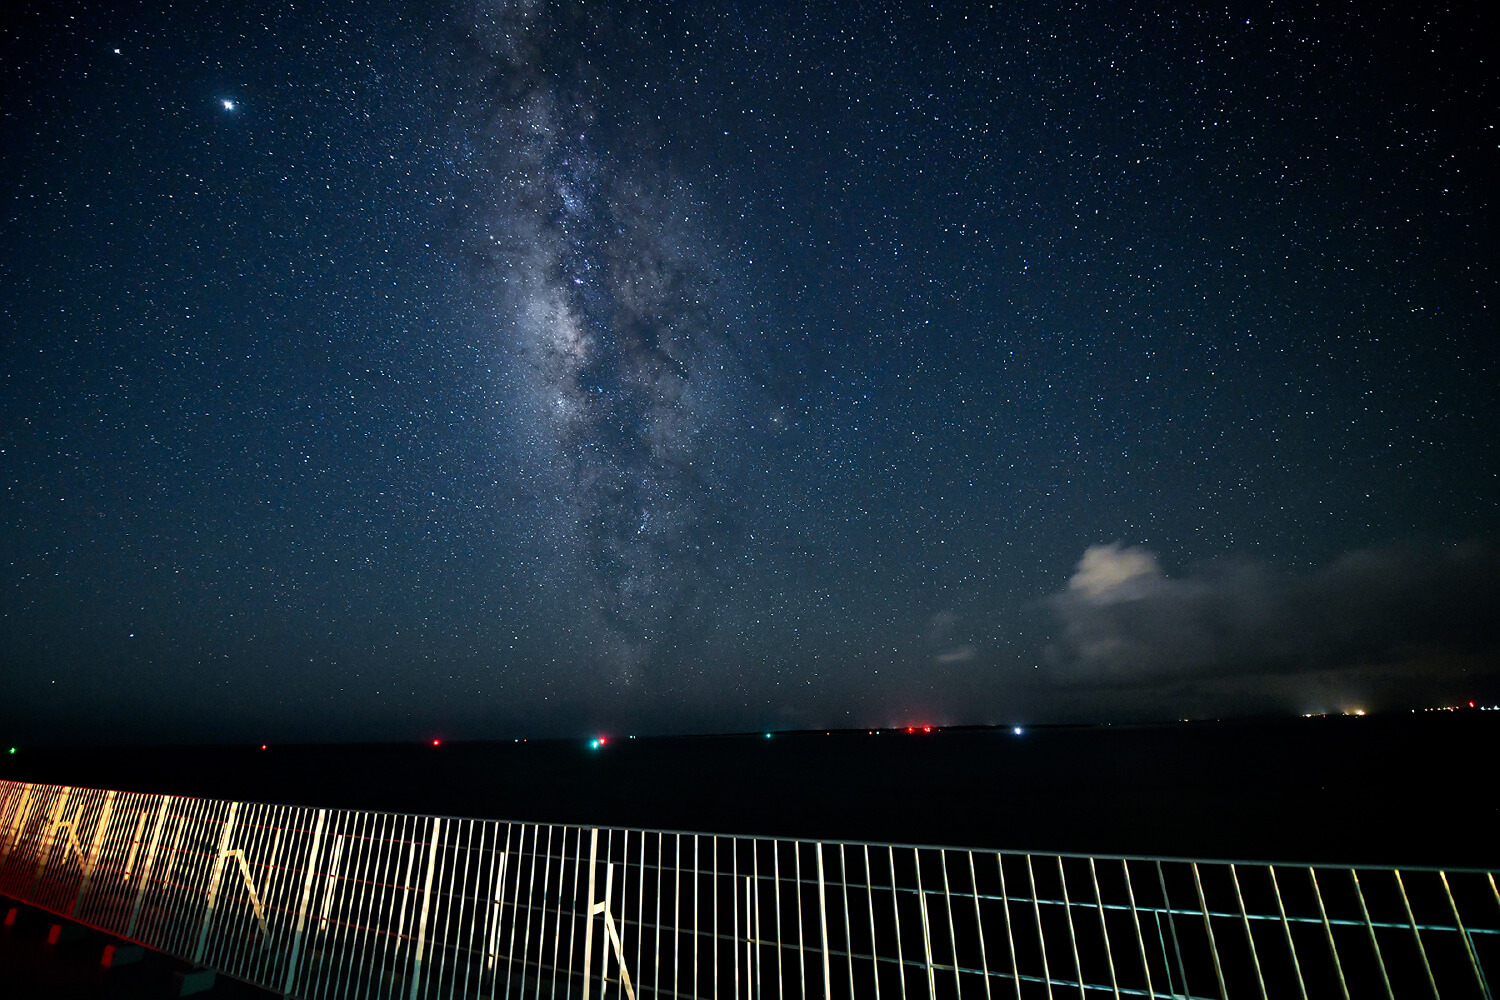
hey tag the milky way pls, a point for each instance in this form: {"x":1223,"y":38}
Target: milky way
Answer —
{"x":603,"y":297}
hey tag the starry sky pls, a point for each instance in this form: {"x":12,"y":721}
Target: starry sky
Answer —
{"x":480,"y":370}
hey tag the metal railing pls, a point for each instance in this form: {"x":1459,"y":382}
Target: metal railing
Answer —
{"x":324,"y":903}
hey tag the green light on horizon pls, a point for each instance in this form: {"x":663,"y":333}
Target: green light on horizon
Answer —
{"x":12,"y":749}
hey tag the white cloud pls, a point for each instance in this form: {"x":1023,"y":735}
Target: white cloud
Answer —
{"x":1113,"y":572}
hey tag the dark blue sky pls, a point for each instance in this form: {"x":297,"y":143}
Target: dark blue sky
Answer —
{"x":492,"y":370}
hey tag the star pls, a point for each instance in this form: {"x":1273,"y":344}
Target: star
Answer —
{"x":229,"y":105}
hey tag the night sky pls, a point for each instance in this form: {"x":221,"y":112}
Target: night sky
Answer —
{"x":516,"y":369}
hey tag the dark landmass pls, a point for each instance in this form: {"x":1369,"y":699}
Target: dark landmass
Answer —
{"x":1404,"y":790}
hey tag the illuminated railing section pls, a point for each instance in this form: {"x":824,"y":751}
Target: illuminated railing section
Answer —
{"x":325,"y":903}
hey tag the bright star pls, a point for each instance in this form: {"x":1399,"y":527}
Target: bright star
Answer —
{"x":228,"y":104}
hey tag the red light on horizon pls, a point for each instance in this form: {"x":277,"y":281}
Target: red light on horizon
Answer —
{"x":437,"y":742}
{"x":262,"y":746}
{"x":926,"y":729}
{"x":911,"y":729}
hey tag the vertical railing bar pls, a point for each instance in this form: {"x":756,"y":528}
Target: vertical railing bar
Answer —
{"x":984,"y":960}
{"x":1109,"y":955}
{"x":573,"y":916}
{"x":1062,"y":880}
{"x":1286,"y":927}
{"x":640,"y":908}
{"x":1249,"y":936}
{"x":844,"y":902}
{"x":1416,"y":933}
{"x":797,"y":882}
{"x":562,"y":877}
{"x":697,"y":891}
{"x":823,"y":922}
{"x":588,"y":917}
{"x":1166,"y":902}
{"x":822,"y":919}
{"x":608,"y":908}
{"x":776,"y":867}
{"x":1010,"y":931}
{"x":755,"y":906}
{"x":916,"y":858}
{"x":952,"y":933}
{"x":677,"y":916}
{"x":714,"y":922}
{"x":624,"y":903}
{"x":1484,"y":986}
{"x":1213,"y":947}
{"x":660,"y":864}
{"x":752,"y":932}
{"x":896,"y":913}
{"x":1370,"y":927}
{"x":1140,"y":936}
{"x":870,"y":910}
{"x":1036,"y":909}
{"x":734,"y":910}
{"x":1333,"y":951}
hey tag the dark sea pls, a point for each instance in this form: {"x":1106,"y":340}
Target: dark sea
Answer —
{"x":1397,"y":790}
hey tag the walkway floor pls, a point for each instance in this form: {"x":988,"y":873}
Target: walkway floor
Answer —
{"x":32,"y":969}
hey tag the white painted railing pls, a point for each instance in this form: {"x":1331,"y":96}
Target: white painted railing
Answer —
{"x":325,"y":903}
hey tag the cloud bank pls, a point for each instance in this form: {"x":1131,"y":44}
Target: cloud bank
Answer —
{"x":1413,"y":613}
